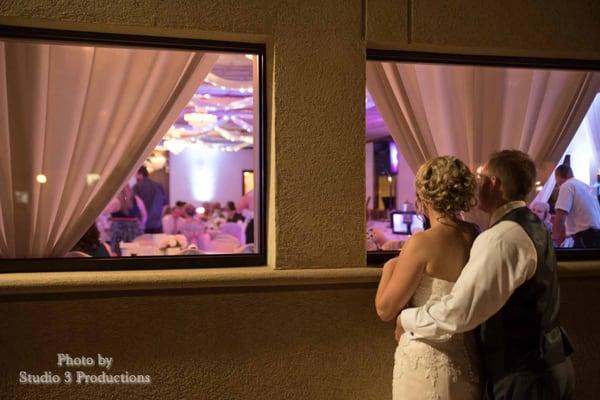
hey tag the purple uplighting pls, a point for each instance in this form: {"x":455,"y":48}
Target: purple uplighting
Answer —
{"x":393,"y":157}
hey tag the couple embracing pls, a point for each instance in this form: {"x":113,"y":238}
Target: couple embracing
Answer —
{"x":483,"y":308}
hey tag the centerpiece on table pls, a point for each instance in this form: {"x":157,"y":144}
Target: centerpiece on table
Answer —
{"x":172,"y":245}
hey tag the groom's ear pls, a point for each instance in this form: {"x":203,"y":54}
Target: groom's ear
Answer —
{"x":496,"y":183}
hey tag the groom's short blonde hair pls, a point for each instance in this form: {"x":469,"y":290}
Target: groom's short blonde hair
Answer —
{"x":516,"y":171}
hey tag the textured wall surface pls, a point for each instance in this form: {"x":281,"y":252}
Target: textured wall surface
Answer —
{"x":319,"y":134}
{"x":555,"y":28}
{"x":301,"y":343}
{"x":252,"y":16}
{"x":580,"y":314}
{"x":285,"y":343}
{"x":264,"y":343}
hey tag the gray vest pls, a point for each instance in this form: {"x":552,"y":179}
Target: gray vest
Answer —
{"x":524,"y":334}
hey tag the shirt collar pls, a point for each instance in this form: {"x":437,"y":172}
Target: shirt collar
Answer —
{"x":505,"y":209}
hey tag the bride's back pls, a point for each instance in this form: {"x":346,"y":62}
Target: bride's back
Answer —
{"x":448,"y":248}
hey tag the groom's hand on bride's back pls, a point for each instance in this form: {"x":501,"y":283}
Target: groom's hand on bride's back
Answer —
{"x":399,"y":330}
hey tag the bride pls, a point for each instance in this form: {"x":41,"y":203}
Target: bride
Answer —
{"x":429,"y":264}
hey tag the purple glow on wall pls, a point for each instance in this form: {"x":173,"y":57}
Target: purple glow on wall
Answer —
{"x":393,"y":158}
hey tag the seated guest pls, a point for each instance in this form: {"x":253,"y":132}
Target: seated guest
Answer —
{"x":217,"y":212}
{"x":577,"y":211}
{"x":375,"y":239}
{"x":91,"y":244}
{"x":192,"y":228}
{"x":128,"y":218}
{"x":232,"y":214}
{"x":172,"y":220}
{"x":542,"y":210}
{"x":205,"y":216}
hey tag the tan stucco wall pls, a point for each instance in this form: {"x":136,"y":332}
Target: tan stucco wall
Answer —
{"x":545,"y":28}
{"x":286,"y":342}
{"x":282,"y":342}
{"x":215,"y":344}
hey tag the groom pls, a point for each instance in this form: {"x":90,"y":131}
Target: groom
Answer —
{"x":509,"y":288}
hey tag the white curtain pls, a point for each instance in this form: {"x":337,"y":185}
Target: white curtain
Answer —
{"x":593,"y":120}
{"x":470,"y":112}
{"x":587,"y":139}
{"x":84,"y":117}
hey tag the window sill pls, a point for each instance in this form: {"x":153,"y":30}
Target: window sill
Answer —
{"x":98,"y":281}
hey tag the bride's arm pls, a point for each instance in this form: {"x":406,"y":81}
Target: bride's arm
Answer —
{"x":400,"y":278}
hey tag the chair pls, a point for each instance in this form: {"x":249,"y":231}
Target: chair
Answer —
{"x":245,"y":249}
{"x":223,"y":243}
{"x":191,"y":251}
{"x":392,"y":245}
{"x":75,"y":254}
{"x":194,"y":233}
{"x":234,"y":229}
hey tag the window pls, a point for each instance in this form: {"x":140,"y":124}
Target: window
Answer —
{"x":422,"y":105}
{"x":120,"y":150}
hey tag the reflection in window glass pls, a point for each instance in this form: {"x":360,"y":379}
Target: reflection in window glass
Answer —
{"x":116,"y":151}
{"x":418,"y":111}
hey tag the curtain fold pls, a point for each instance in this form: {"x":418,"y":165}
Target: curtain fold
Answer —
{"x":470,"y":111}
{"x":84,"y":117}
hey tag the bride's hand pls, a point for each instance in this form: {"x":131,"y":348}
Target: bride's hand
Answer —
{"x":399,"y":330}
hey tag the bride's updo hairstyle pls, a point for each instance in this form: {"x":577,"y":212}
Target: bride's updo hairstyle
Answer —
{"x":446,"y":185}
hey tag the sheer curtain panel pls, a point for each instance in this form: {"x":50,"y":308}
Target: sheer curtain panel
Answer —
{"x":471,"y":111}
{"x":76,"y":123}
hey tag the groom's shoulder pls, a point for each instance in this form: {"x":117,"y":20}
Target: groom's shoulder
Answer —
{"x":504,"y":231}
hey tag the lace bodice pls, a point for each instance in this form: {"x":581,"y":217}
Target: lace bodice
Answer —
{"x":430,"y":289}
{"x":436,"y":370}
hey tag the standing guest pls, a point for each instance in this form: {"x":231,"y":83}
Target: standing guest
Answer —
{"x":577,"y":211}
{"x":154,"y":198}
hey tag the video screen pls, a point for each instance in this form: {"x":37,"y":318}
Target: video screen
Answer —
{"x":406,"y":222}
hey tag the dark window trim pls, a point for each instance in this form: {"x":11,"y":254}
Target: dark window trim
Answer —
{"x":159,"y":262}
{"x":380,"y":257}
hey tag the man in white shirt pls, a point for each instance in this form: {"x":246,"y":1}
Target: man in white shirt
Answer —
{"x":577,"y":211}
{"x":508,"y":291}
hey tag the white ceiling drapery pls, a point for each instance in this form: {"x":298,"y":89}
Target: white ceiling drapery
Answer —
{"x":471,"y":111}
{"x":85,"y":117}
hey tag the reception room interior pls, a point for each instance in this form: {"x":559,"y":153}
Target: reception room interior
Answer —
{"x":280,"y":132}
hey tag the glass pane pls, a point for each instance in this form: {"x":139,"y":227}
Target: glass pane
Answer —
{"x":470,"y":112}
{"x":127,"y":151}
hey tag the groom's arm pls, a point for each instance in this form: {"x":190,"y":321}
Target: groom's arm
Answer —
{"x":501,"y":260}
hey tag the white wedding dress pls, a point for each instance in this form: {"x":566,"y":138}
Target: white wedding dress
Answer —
{"x":427,"y":370}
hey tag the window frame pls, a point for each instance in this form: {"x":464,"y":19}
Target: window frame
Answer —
{"x":12,"y":265}
{"x":380,"y":257}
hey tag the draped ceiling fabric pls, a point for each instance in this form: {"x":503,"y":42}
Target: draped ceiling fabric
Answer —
{"x":85,"y":117}
{"x":470,"y":112}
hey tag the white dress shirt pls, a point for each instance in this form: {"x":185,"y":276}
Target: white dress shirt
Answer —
{"x":502,"y":259}
{"x":581,"y":206}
